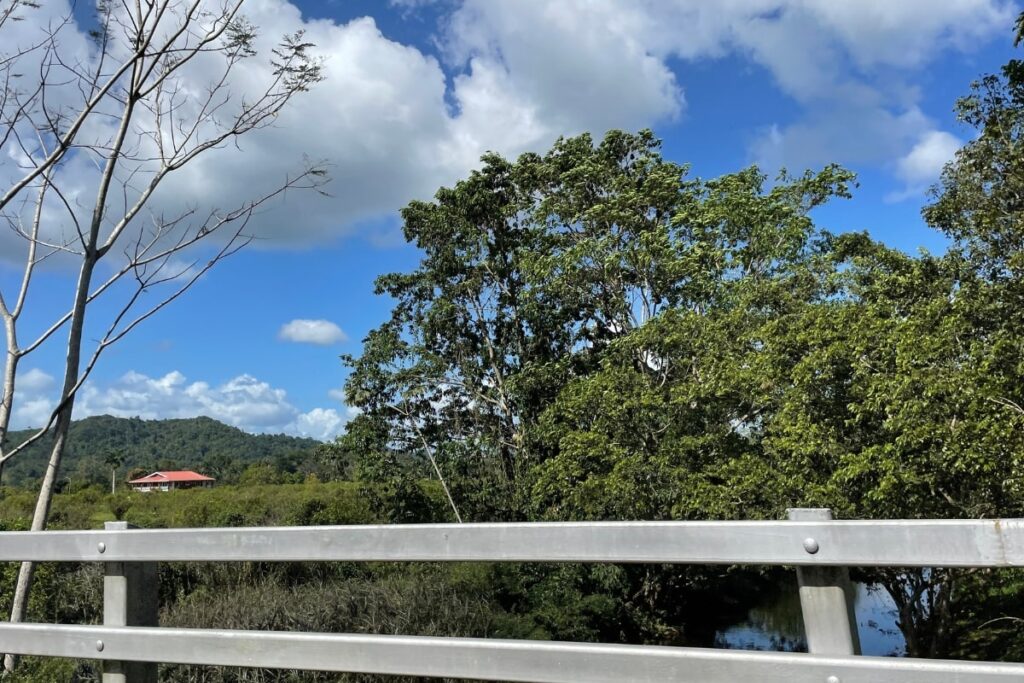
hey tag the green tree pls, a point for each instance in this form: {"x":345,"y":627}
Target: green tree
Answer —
{"x":979,"y":202}
{"x":114,"y":460}
{"x":676,"y":402}
{"x":541,"y":360}
{"x":510,"y":301}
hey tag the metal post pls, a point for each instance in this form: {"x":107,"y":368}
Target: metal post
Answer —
{"x":826,"y":598}
{"x":130,"y":598}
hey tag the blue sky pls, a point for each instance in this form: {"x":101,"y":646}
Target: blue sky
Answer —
{"x":417,"y":90}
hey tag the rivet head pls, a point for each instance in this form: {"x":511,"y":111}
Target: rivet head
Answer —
{"x":102,"y":547}
{"x":99,"y":646}
{"x":811,"y":546}
{"x":832,"y":679}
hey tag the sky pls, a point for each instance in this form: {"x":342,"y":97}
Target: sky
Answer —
{"x":416,"y":90}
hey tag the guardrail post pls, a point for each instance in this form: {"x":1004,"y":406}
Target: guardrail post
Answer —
{"x":826,"y":599}
{"x":130,"y":598}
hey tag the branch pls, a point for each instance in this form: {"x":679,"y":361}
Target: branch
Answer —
{"x":433,"y":461}
{"x":312,"y":178}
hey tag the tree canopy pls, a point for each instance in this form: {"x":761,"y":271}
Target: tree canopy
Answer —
{"x":595,"y":333}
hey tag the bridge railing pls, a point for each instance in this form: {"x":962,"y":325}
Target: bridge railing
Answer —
{"x":130,"y":643}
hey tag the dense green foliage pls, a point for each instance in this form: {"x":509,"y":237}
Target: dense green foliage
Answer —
{"x":132,"y":446}
{"x":592,"y":333}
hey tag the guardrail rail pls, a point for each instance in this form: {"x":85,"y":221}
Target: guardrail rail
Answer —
{"x":130,"y":643}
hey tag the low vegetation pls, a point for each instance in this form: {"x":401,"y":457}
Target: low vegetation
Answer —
{"x":481,"y":600}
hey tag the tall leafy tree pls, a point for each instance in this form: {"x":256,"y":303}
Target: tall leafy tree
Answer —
{"x":554,"y":355}
{"x":530,"y":268}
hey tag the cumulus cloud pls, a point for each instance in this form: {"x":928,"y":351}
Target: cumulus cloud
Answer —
{"x":32,"y":401}
{"x":562,"y":66}
{"x":34,"y":381}
{"x":923,"y":163}
{"x":319,"y":332}
{"x":244,"y":402}
{"x":921,"y":166}
{"x":849,"y":131}
{"x":594,"y":64}
{"x":851,"y":67}
{"x":395,"y":122}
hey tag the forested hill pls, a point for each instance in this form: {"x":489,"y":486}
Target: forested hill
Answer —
{"x":198,"y":443}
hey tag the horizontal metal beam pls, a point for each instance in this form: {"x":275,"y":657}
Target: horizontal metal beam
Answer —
{"x":888,"y":543}
{"x":492,"y":660}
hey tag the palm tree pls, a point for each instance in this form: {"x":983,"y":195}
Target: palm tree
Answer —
{"x":115,"y":459}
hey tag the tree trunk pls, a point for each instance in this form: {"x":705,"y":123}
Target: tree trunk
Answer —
{"x":923,"y":599}
{"x":7,"y":390}
{"x":19,"y":606}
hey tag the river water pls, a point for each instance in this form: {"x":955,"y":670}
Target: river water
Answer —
{"x":778,"y":625}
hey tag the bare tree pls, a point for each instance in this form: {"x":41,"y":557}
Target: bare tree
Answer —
{"x":96,"y":129}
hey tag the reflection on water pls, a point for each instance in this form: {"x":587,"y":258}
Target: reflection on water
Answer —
{"x":778,"y":624}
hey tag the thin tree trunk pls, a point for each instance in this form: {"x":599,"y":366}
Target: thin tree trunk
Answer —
{"x":19,"y":606}
{"x":10,"y":372}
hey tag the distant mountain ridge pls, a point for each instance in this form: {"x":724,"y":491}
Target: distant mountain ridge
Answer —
{"x":200,"y":443}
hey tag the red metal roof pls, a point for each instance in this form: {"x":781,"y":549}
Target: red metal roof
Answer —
{"x":164,"y":477}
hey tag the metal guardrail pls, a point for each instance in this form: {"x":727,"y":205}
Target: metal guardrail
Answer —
{"x":129,"y":642}
{"x":888,"y":543}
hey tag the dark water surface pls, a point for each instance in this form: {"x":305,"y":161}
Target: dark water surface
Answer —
{"x":778,"y":625}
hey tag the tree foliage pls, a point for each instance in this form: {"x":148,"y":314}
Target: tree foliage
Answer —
{"x":595,"y":334}
{"x":544,"y":271}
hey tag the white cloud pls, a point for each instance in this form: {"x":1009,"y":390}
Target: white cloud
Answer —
{"x":320,"y":332}
{"x":848,"y":131}
{"x":919,"y":168}
{"x":32,"y":403}
{"x":395,"y":123}
{"x":538,"y":69}
{"x":923,"y":163}
{"x":592,"y":64}
{"x":244,"y":402}
{"x":909,"y":32}
{"x":320,"y":423}
{"x":31,"y":412}
{"x":850,"y":66}
{"x":34,"y":381}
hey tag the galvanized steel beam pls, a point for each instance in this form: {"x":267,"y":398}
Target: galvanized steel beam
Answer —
{"x":888,"y":543}
{"x":494,"y":660}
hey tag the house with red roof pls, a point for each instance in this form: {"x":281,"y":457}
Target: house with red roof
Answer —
{"x":171,"y":481}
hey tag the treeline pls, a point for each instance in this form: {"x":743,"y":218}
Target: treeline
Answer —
{"x":127,"y":447}
{"x":594,"y":333}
